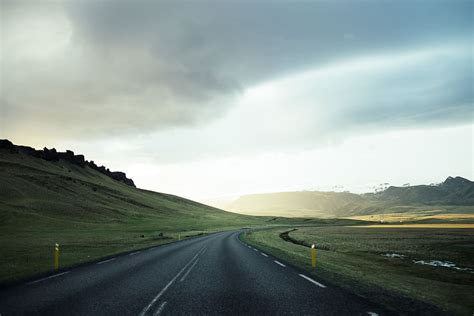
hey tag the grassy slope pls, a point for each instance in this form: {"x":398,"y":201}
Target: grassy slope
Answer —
{"x":352,"y":257}
{"x":89,"y":214}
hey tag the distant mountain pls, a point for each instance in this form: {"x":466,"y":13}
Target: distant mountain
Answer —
{"x":453,"y":191}
{"x":305,"y":203}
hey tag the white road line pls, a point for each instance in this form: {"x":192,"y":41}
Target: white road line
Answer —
{"x":249,"y":246}
{"x":133,"y":253}
{"x":160,"y":309}
{"x":255,"y":249}
{"x":312,"y":281}
{"x":170,"y":283}
{"x":189,"y":270}
{"x":50,"y":277}
{"x":264,"y":254}
{"x":278,"y":262}
{"x":105,"y":261}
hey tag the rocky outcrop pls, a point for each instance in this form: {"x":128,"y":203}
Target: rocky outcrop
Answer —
{"x":121,"y":176}
{"x":6,"y":144}
{"x":53,"y":155}
{"x":116,"y":175}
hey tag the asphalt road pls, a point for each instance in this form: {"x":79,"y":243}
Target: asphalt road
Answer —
{"x":215,"y":274}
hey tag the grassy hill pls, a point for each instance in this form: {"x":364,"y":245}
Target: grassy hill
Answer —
{"x":90,"y":215}
{"x":453,"y":195}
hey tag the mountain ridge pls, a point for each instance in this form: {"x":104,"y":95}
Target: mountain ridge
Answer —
{"x":453,"y":191}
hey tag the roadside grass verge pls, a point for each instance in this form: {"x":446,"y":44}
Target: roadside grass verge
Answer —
{"x":353,"y":258}
{"x":28,"y":253}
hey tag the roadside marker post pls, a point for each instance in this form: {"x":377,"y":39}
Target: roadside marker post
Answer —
{"x":56,"y":257}
{"x":313,"y":256}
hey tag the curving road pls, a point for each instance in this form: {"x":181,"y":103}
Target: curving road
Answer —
{"x":215,"y":274}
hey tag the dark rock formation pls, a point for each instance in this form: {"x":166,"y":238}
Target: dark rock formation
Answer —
{"x":29,"y":151}
{"x":6,"y":144}
{"x":116,"y":175}
{"x":50,"y":154}
{"x":79,"y":160}
{"x":69,"y":156}
{"x":121,"y":176}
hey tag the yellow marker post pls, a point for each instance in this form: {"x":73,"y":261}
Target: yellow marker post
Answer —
{"x":56,"y":257}
{"x":313,"y":256}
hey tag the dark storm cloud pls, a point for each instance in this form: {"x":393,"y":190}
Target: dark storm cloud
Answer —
{"x":136,"y":67}
{"x":225,"y":45}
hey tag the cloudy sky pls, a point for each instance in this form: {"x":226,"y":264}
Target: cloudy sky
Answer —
{"x":208,"y":99}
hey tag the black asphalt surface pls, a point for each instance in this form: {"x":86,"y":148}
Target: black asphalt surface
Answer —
{"x":215,"y":274}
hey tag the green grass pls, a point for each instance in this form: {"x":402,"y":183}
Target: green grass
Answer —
{"x":352,"y":257}
{"x":89,"y":214}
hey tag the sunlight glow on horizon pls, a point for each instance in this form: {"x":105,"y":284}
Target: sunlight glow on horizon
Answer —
{"x":358,"y":164}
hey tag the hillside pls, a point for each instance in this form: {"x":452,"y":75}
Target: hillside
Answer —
{"x":89,"y":213}
{"x":59,"y":190}
{"x":453,"y":193}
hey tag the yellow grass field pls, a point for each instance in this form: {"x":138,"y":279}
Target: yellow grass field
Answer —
{"x":441,"y":225}
{"x":416,"y":216}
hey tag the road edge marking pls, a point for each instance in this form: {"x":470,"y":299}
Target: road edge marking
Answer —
{"x":312,"y":281}
{"x":279,"y":263}
{"x":49,"y":277}
{"x":264,"y":254}
{"x":102,"y":262}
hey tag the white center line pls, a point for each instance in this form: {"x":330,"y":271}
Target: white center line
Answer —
{"x":278,"y":262}
{"x":170,"y":283}
{"x":264,"y":254}
{"x":189,"y":270}
{"x":50,"y":277}
{"x":134,"y":253}
{"x":160,"y":309}
{"x":312,"y":281}
{"x":105,"y":261}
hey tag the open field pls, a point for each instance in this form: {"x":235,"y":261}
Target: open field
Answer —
{"x":438,"y":226}
{"x":431,"y":265}
{"x":445,"y":214}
